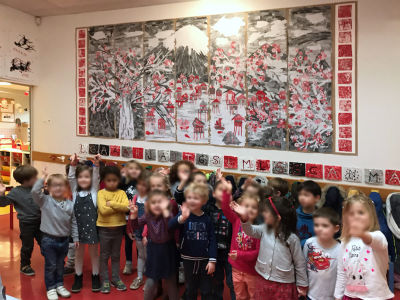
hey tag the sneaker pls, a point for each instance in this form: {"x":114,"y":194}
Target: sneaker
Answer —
{"x":106,"y":288}
{"x":119,"y":285}
{"x":63,"y":292}
{"x":96,"y":286}
{"x":27,"y":270}
{"x":52,"y":294}
{"x":136,"y":283}
{"x":181,"y":276}
{"x":69,"y":271}
{"x":77,"y":285}
{"x":127,"y":269}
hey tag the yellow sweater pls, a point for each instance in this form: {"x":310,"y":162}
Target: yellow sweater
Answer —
{"x":113,"y":215}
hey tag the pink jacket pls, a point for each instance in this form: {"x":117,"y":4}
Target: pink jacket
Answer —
{"x":247,"y":247}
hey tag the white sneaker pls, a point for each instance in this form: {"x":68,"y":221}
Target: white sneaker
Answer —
{"x":63,"y":292}
{"x":52,"y":294}
{"x":128,"y":269}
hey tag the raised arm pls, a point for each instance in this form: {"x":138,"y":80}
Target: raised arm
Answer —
{"x":37,"y":190}
{"x":96,"y":174}
{"x":228,"y":212}
{"x":72,"y":180}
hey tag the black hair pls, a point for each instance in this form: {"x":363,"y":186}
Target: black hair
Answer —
{"x":110,"y":170}
{"x":311,"y":187}
{"x":173,"y":174}
{"x":80,"y":169}
{"x":24,"y":173}
{"x":327,"y":213}
{"x":195,"y":173}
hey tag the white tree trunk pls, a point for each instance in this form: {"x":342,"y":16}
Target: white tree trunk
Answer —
{"x":126,"y":122}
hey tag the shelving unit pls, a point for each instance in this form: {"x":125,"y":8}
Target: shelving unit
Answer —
{"x":10,"y":160}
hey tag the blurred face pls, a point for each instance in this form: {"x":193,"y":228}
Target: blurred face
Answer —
{"x":307,"y":199}
{"x":269,"y":218}
{"x":183,"y":171}
{"x":30,"y":182}
{"x":359,"y":214}
{"x":324,"y":229}
{"x":252,"y":190}
{"x":141,"y":188}
{"x":84,"y":180}
{"x":132,"y":171}
{"x":155,"y":204}
{"x":217,"y":194}
{"x":200,"y":179}
{"x":194,"y":201}
{"x":157,"y":183}
{"x":57,"y":189}
{"x":251,"y":207}
{"x":111,"y":182}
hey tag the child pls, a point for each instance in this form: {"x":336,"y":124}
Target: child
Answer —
{"x":139,"y":200}
{"x":28,"y":213}
{"x":280,"y":261}
{"x":158,"y":181}
{"x":198,"y":246}
{"x":180,"y":171}
{"x":244,"y":249}
{"x":112,"y":204}
{"x":309,"y":195}
{"x":132,"y":171}
{"x":84,"y":183}
{"x":321,"y":253}
{"x":279,"y":186}
{"x":161,"y":250}
{"x":363,"y":260}
{"x":197,"y":177}
{"x":57,"y":214}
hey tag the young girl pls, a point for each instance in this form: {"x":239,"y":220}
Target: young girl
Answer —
{"x":132,"y":171}
{"x":57,"y":214}
{"x":180,"y":174}
{"x":158,"y":181}
{"x":244,"y":249}
{"x":139,"y":200}
{"x":363,"y":262}
{"x":280,"y":261}
{"x":84,"y":183}
{"x":112,"y":206}
{"x":161,"y":250}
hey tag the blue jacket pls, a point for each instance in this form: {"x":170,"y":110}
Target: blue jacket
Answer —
{"x":305,"y":225}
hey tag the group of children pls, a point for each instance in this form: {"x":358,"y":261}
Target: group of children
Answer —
{"x":251,"y":239}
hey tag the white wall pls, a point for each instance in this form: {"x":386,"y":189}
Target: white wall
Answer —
{"x":378,"y":81}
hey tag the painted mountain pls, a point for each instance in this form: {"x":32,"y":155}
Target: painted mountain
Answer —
{"x":191,"y":94}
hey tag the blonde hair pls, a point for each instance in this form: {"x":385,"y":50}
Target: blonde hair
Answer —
{"x":250,"y":197}
{"x":55,"y":177}
{"x":200,"y":190}
{"x":368,"y":205}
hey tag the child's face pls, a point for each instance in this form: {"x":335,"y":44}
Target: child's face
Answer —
{"x":141,"y":188}
{"x":111,"y":182}
{"x":307,"y":199}
{"x":324,"y":229}
{"x":200,"y":179}
{"x":183,"y":171}
{"x":269,"y":218}
{"x":132,"y":171}
{"x":156,"y":203}
{"x":251,"y":207}
{"x":30,"y":182}
{"x":57,"y":189}
{"x":251,"y":190}
{"x":359,"y":214}
{"x":194,"y":201}
{"x":218,"y":192}
{"x":84,"y":180}
{"x":157,"y":183}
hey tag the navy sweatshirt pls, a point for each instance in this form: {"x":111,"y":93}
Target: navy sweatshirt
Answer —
{"x":305,"y":226}
{"x":197,"y":237}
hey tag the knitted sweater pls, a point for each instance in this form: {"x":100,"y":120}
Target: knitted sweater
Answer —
{"x":113,"y":215}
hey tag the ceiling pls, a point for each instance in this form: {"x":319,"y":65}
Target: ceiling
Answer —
{"x":43,"y":8}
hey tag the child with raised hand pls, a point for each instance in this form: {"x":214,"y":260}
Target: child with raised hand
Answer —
{"x":179,"y":176}
{"x":57,"y":214}
{"x":132,"y":171}
{"x":161,"y":261}
{"x":112,"y":205}
{"x":244,"y":249}
{"x":198,"y":246}
{"x":84,"y":183}
{"x":363,"y":260}
{"x":280,"y":261}
{"x":321,"y":253}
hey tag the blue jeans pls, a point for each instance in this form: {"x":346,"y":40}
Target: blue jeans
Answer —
{"x":54,"y":250}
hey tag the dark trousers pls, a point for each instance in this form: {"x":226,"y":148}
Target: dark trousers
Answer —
{"x":110,"y":247}
{"x":29,"y":232}
{"x":54,"y":250}
{"x":196,"y":278}
{"x":223,"y":270}
{"x":128,"y":246}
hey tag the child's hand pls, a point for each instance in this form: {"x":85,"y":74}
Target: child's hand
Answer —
{"x":239,"y":210}
{"x":97,"y":160}
{"x":185,"y":212}
{"x":218,"y":174}
{"x":134,"y":210}
{"x":2,"y":189}
{"x":74,"y":159}
{"x":246,"y":183}
{"x":76,"y":245}
{"x":184,"y":177}
{"x":144,"y":241}
{"x":164,"y":171}
{"x":227,"y":185}
{"x":302,"y":291}
{"x":210,"y":267}
{"x":356,"y":229}
{"x":108,"y":203}
{"x":165,"y":204}
{"x":233,"y":255}
{"x":131,"y":236}
{"x":45,"y":173}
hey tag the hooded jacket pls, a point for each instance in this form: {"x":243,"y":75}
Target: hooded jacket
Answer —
{"x":332,"y":197}
{"x":305,"y":225}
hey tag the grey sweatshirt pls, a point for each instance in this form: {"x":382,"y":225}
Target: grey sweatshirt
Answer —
{"x":57,"y":216}
{"x":276,"y":261}
{"x":21,"y":197}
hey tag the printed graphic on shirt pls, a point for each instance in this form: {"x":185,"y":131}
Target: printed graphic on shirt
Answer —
{"x":317,"y":260}
{"x":357,"y":265}
{"x":303,"y":232}
{"x":130,"y":192}
{"x":221,"y":228}
{"x":244,"y":241}
{"x":197,"y":231}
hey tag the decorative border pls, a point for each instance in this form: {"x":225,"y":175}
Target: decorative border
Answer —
{"x":345,"y":78}
{"x":82,"y":118}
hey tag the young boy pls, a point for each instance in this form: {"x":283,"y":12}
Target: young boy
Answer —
{"x":309,"y":195}
{"x":28,"y":213}
{"x":198,"y":246}
{"x":321,"y":254}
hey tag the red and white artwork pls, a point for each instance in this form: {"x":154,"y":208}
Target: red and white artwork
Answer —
{"x":81,"y":82}
{"x":115,"y":150}
{"x":137,"y":153}
{"x":263,"y":165}
{"x":333,"y":173}
{"x":230,"y":162}
{"x":190,"y":156}
{"x":247,"y":164}
{"x":345,"y":89}
{"x":392,"y":177}
{"x":314,"y":171}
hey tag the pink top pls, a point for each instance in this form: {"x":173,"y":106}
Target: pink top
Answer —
{"x":247,"y":247}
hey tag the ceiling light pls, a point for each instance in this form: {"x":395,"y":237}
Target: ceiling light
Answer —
{"x":4,"y":83}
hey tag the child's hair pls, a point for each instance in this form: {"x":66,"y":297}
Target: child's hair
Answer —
{"x":144,"y":177}
{"x":173,"y":174}
{"x":150,"y":197}
{"x":368,"y":205}
{"x":195,"y":173}
{"x":279,"y":185}
{"x":136,"y":163}
{"x":245,"y":195}
{"x":329,"y":214}
{"x":285,"y":209}
{"x":311,"y":187}
{"x":198,"y":189}
{"x":165,"y":181}
{"x":55,"y":177}
{"x":108,"y":170}
{"x":24,"y":173}
{"x":80,"y":169}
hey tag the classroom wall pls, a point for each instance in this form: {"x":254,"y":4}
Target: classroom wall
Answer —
{"x":378,"y":81}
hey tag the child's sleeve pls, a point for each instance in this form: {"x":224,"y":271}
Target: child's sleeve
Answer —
{"x":229,"y":214}
{"x":74,"y":229}
{"x":179,"y":196}
{"x":37,"y":192}
{"x":212,"y":244}
{"x":7,"y":199}
{"x":250,"y":255}
{"x":101,"y":205}
{"x":173,"y":222}
{"x":298,"y":261}
{"x":72,"y":180}
{"x":95,"y":179}
{"x":122,"y":203}
{"x":305,"y":250}
{"x":174,"y":207}
{"x":379,"y":241}
{"x":254,"y":231}
{"x":341,"y":277}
